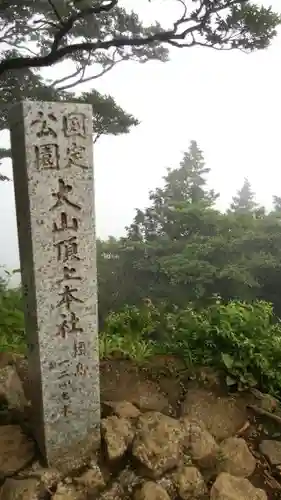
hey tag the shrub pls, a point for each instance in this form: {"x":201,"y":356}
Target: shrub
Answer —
{"x":243,"y":339}
{"x":12,"y":336}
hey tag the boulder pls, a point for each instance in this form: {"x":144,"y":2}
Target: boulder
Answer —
{"x":158,"y":443}
{"x":17,"y":451}
{"x":68,"y":492}
{"x":221,"y":416}
{"x":198,"y":441}
{"x":12,"y":395}
{"x":189,"y":483}
{"x":92,"y":480}
{"x":128,"y":479}
{"x":123,"y":409}
{"x":227,"y":487}
{"x":236,"y":458}
{"x":151,"y":491}
{"x":114,"y":492}
{"x":19,"y":489}
{"x":118,"y":434}
{"x":272,"y":450}
{"x":168,"y":483}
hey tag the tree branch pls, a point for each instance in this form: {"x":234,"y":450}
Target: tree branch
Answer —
{"x":81,"y":74}
{"x":197,"y":21}
{"x":55,"y":10}
{"x":58,"y":54}
{"x":66,"y":26}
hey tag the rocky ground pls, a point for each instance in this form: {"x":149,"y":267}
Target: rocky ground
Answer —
{"x":166,"y":435}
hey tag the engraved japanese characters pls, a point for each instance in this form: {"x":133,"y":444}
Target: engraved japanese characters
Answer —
{"x":54,"y":189}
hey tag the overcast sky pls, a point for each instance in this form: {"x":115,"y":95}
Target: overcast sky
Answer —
{"x":228,"y":101}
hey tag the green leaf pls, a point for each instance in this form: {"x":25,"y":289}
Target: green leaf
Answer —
{"x":230,"y":381}
{"x":227,"y":360}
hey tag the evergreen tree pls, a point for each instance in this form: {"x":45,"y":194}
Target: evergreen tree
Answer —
{"x":184,"y":192}
{"x":244,"y":201}
{"x":277,"y":205}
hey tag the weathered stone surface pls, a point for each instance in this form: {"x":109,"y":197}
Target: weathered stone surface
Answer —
{"x":236,"y":458}
{"x":118,"y":434}
{"x":198,"y":441}
{"x":158,"y":443}
{"x":227,"y":487}
{"x":265,"y":401}
{"x":272,"y":450}
{"x":151,"y":491}
{"x":150,"y":399}
{"x":167,"y":482}
{"x":123,"y":409}
{"x":68,"y":492}
{"x":128,"y":479}
{"x":49,"y":478}
{"x":19,"y":489}
{"x":189,"y":483}
{"x":16,"y":450}
{"x":114,"y":492}
{"x":53,"y":176}
{"x":11,"y":390}
{"x":221,"y":416}
{"x":92,"y":480}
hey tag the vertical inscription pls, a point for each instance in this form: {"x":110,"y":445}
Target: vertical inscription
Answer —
{"x":67,"y":250}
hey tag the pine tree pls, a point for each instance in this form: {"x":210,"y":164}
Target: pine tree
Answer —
{"x":244,"y":201}
{"x":178,"y":205}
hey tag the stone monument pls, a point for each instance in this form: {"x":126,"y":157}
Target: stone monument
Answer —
{"x":53,"y":175}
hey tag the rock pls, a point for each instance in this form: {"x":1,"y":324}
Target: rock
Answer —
{"x":19,"y":489}
{"x":198,"y":441}
{"x":49,"y":478}
{"x":236,"y":458}
{"x":11,"y":390}
{"x":158,"y":443}
{"x":167,"y":482}
{"x":151,"y":401}
{"x":227,"y":487}
{"x":151,"y":491}
{"x":265,"y":401}
{"x":128,"y":479}
{"x":16,"y":450}
{"x":115,"y":492}
{"x":6,"y":358}
{"x":68,"y":492}
{"x":118,"y":434}
{"x":92,"y":480}
{"x":221,"y":416}
{"x":189,"y":483}
{"x":272,"y":450}
{"x":123,"y":409}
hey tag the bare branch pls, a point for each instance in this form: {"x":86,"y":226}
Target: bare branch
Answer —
{"x":82,"y":70}
{"x":65,"y":78}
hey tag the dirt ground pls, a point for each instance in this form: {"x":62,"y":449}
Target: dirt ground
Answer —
{"x":164,"y":384}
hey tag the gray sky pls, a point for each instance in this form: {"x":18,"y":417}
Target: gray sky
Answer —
{"x":228,"y":101}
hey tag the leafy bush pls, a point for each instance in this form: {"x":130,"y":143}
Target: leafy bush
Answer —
{"x":12,"y":336}
{"x":242,"y":339}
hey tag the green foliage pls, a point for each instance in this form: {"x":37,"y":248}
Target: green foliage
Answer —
{"x":244,"y":201}
{"x":243,"y":340}
{"x":12,"y":337}
{"x":181,"y":249}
